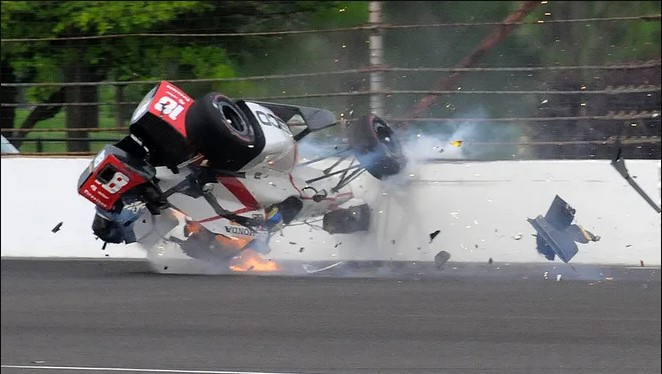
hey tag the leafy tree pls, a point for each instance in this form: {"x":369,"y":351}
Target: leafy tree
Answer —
{"x":71,"y":58}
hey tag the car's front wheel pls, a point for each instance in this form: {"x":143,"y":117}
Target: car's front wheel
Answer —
{"x":223,"y":133}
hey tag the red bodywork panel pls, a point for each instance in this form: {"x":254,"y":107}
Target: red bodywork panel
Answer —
{"x":109,"y":179}
{"x":170,"y":104}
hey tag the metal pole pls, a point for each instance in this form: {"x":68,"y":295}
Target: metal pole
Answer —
{"x":376,"y":58}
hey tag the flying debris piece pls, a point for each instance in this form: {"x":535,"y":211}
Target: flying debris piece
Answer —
{"x":490,"y":261}
{"x":434,"y":235}
{"x":441,"y":258}
{"x":456,"y":143}
{"x":103,"y":248}
{"x":337,"y":244}
{"x":556,"y":235}
{"x":301,"y":249}
{"x":618,"y":163}
{"x":310,"y":269}
{"x":57,"y":227}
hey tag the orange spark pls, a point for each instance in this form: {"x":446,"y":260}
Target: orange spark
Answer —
{"x":250,"y":260}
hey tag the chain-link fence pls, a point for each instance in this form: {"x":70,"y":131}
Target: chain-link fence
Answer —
{"x":513,"y":88}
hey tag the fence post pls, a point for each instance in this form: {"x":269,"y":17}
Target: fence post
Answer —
{"x":119,"y":108}
{"x":376,"y":58}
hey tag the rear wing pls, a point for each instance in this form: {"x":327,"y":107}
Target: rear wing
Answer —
{"x":313,"y":118}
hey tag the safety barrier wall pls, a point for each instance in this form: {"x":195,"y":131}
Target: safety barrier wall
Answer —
{"x":479,"y":208}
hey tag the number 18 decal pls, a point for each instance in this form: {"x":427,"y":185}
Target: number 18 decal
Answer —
{"x":118,"y":181}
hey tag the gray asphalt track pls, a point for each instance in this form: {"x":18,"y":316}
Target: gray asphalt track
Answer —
{"x":113,"y":315}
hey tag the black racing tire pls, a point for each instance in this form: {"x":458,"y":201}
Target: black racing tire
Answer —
{"x":376,"y":147}
{"x":347,"y":221}
{"x":224,"y":132}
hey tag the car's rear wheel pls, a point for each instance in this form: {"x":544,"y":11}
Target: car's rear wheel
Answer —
{"x":376,"y":147}
{"x":223,"y":132}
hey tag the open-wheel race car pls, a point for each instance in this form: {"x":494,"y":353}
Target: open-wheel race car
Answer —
{"x":219,"y":176}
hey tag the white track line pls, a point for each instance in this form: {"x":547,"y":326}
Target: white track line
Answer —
{"x":126,"y":370}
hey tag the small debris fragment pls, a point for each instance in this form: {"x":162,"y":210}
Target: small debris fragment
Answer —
{"x":38,"y":361}
{"x":103,"y":248}
{"x":628,"y":246}
{"x":310,"y":269}
{"x":393,"y":241}
{"x":641,"y":262}
{"x":545,"y":274}
{"x":558,"y":277}
{"x":337,"y":244}
{"x":517,"y":236}
{"x":165,"y":268}
{"x":441,"y":258}
{"x":293,"y":243}
{"x":301,"y":249}
{"x":490,"y":261}
{"x":434,"y":235}
{"x":57,"y":227}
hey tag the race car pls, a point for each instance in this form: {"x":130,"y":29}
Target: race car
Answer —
{"x":219,"y":176}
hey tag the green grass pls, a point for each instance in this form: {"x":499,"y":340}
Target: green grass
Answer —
{"x":58,"y":122}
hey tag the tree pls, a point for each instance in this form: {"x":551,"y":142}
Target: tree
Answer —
{"x":63,"y":54}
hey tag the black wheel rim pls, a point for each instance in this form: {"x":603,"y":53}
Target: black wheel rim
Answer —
{"x":232,"y":119}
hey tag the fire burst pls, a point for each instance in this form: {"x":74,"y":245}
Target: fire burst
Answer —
{"x":250,"y":260}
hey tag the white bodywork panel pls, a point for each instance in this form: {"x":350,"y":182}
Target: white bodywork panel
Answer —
{"x":270,"y":178}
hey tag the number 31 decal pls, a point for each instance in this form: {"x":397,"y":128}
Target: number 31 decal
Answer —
{"x":169,"y":107}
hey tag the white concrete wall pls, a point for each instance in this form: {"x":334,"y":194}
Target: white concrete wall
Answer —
{"x":480,"y":209}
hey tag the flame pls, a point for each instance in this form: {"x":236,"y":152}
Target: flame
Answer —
{"x":250,"y":260}
{"x":192,"y":227}
{"x":456,"y":143}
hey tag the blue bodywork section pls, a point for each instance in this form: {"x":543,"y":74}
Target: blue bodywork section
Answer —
{"x":556,"y":233}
